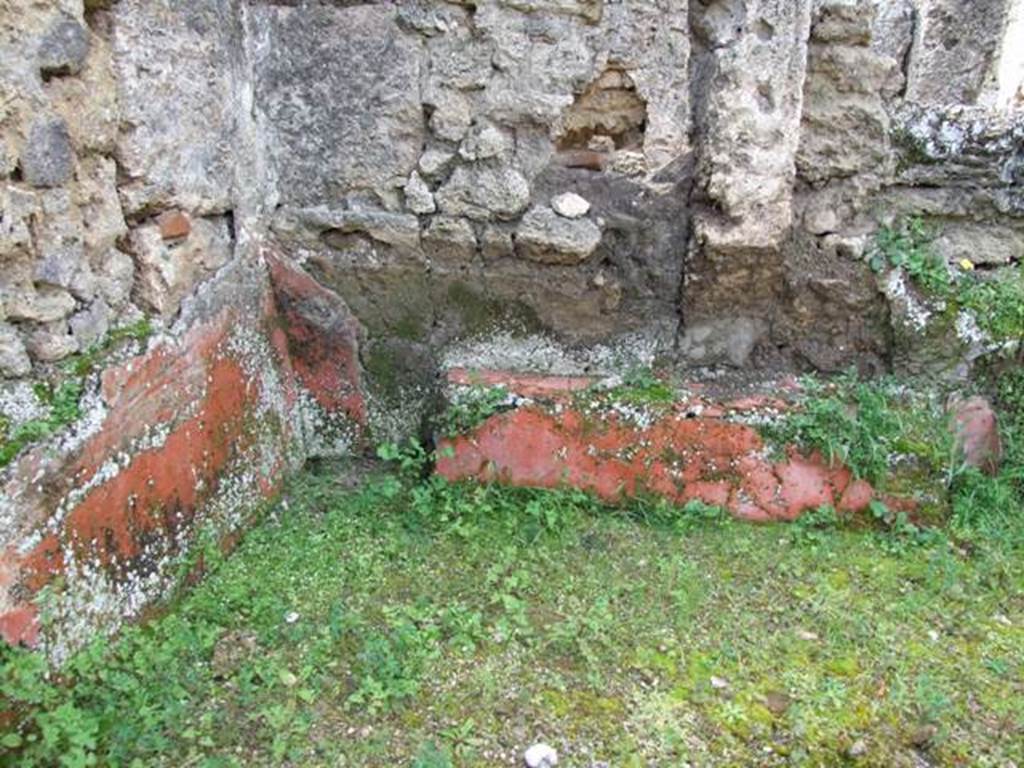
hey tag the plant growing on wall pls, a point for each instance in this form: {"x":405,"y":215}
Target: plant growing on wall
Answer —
{"x":907,"y":246}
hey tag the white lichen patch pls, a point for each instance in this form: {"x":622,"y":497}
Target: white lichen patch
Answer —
{"x":19,"y":403}
{"x":322,"y":433}
{"x":968,"y":331}
{"x":906,"y":308}
{"x":504,"y":350}
{"x":392,"y":421}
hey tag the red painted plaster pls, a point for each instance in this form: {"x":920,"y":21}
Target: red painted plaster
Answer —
{"x":322,"y":338}
{"x":682,"y":458}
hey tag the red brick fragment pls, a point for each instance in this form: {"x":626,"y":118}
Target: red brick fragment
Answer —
{"x":174,"y":225}
{"x":976,"y":430}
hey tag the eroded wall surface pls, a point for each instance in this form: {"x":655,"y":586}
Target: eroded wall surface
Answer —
{"x":320,"y":205}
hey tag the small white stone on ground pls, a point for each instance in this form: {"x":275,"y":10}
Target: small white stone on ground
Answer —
{"x":540,"y":756}
{"x":291,"y":617}
{"x":570,"y":205}
{"x":718,"y":683}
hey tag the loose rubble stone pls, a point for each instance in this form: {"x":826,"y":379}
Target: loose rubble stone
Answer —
{"x":435,"y":162}
{"x":96,"y":195}
{"x":418,"y":196}
{"x":485,"y":142}
{"x":452,"y":115}
{"x":48,"y":159}
{"x":51,"y":342}
{"x":450,"y":238}
{"x":168,"y":270}
{"x":63,"y":48}
{"x":90,"y":326}
{"x":482,"y":193}
{"x":545,"y":236}
{"x":115,"y":275}
{"x":43,"y":304}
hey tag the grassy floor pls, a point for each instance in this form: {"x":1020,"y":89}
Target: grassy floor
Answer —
{"x":430,"y":625}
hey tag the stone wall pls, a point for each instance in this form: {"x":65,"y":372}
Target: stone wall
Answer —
{"x":132,"y":185}
{"x":321,"y":204}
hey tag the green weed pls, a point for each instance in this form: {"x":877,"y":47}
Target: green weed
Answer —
{"x":867,"y":426}
{"x":423,"y":623}
{"x":472,"y":408}
{"x":997,"y":304}
{"x":907,"y":246}
{"x":643,"y":387}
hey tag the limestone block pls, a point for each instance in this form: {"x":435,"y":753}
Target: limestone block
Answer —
{"x":845,"y":122}
{"x":337,"y":87}
{"x":955,"y":52}
{"x":177,"y":67}
{"x":989,"y":243}
{"x":752,"y":127}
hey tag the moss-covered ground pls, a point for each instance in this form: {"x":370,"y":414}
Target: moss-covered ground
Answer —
{"x":413,"y":623}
